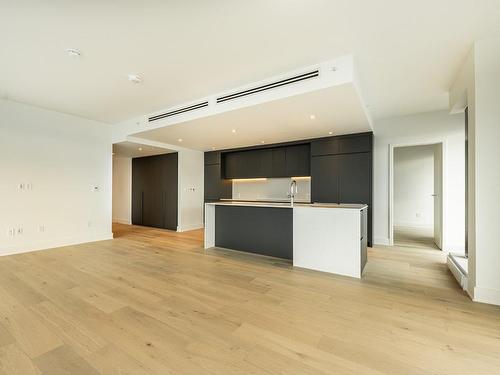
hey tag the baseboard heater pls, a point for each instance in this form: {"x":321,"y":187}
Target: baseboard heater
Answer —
{"x":457,"y":271}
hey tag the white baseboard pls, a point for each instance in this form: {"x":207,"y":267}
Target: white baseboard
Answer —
{"x":383,"y":241}
{"x":413,"y":225}
{"x":486,"y":295}
{"x":186,"y":228}
{"x":53,"y":243}
{"x":122,"y":221}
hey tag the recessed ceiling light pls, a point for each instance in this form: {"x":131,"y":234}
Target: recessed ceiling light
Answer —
{"x":330,"y":133}
{"x":73,"y":52}
{"x":262,"y":141}
{"x":134,"y":78}
{"x":140,"y":148}
{"x":234,"y":130}
{"x":180,"y":140}
{"x":213,"y":148}
{"x":312,"y":117}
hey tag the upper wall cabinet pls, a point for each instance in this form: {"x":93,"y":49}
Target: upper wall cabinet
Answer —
{"x":287,"y":161}
{"x":298,"y":160}
{"x":347,"y":144}
{"x":212,"y":157}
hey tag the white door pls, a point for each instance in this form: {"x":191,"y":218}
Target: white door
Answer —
{"x":438,"y":195}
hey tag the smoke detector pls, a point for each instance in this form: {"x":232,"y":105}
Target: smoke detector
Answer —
{"x":134,"y":78}
{"x":73,"y":52}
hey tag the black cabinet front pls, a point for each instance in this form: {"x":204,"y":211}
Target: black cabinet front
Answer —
{"x":341,"y":178}
{"x":154,"y":191}
{"x":259,"y":230}
{"x":325,"y":179}
{"x":215,"y":186}
{"x":346,"y":144}
{"x":274,"y":162}
{"x":298,"y":160}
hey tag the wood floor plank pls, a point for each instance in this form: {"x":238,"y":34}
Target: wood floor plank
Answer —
{"x":13,"y":361}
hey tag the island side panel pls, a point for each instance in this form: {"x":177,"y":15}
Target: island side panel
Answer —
{"x":259,"y":230}
{"x":364,"y":238}
{"x":328,"y":240}
{"x":209,"y":226}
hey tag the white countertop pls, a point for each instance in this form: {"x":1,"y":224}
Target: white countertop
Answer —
{"x":288,"y":205}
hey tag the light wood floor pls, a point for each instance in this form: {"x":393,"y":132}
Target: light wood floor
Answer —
{"x":151,"y":302}
{"x":405,"y":237}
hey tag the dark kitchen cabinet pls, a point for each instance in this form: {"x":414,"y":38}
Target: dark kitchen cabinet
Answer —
{"x":274,"y":162}
{"x":212,"y":157}
{"x":343,"y":178}
{"x":355,"y":177}
{"x":215,"y":186}
{"x":325,"y":179}
{"x":278,"y":155}
{"x":154,"y":191}
{"x":346,"y":144}
{"x":248,"y":164}
{"x":298,"y":160}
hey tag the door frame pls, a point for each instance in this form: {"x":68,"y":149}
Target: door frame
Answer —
{"x":430,"y":142}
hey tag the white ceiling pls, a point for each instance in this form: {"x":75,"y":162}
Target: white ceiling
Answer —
{"x":136,"y":150}
{"x":407,"y":52}
{"x":336,"y":109}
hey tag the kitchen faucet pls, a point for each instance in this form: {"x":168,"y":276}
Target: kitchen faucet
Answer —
{"x":293,"y":191}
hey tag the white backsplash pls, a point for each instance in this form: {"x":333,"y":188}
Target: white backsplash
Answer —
{"x":271,"y":189}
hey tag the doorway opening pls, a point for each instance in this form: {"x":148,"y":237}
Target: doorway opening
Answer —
{"x":417,"y":196}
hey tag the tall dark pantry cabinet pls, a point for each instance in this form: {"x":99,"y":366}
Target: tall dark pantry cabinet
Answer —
{"x":154,"y":191}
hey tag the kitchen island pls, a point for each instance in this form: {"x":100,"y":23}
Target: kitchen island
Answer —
{"x":324,"y":237}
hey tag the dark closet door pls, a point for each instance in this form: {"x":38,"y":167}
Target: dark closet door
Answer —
{"x":154,"y":191}
{"x":169,"y":190}
{"x":138,"y":176}
{"x":325,"y":182}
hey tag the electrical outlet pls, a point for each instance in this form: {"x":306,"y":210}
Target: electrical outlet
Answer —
{"x":11,"y":232}
{"x":21,"y":186}
{"x":19,"y":231}
{"x":89,"y":223}
{"x":41,"y":228}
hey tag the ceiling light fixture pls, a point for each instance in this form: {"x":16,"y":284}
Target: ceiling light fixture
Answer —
{"x":140,"y":148}
{"x":330,"y":133}
{"x":179,"y":140}
{"x":262,"y":141}
{"x":312,"y":117}
{"x":134,"y":78}
{"x":73,"y":52}
{"x":213,"y":148}
{"x":234,"y":130}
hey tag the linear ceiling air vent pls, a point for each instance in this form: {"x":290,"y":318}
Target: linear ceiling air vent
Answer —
{"x":190,"y":108}
{"x":269,"y":86}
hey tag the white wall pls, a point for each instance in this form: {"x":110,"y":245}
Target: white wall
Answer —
{"x":414,"y":186}
{"x":190,"y":200}
{"x":424,"y":129}
{"x":271,"y":188}
{"x":478,"y":87}
{"x":122,"y":190}
{"x":59,"y":159}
